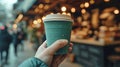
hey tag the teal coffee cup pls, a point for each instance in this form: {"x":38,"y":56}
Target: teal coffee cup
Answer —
{"x":58,"y":26}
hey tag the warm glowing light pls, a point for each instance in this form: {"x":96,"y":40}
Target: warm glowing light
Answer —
{"x":87,"y":4}
{"x":51,"y":13}
{"x":81,"y":5}
{"x":64,"y":13}
{"x":106,"y":0}
{"x":116,"y":11}
{"x":19,"y":18}
{"x":92,"y":1}
{"x":103,"y":28}
{"x":47,"y":1}
{"x":46,"y":7}
{"x":63,"y":8}
{"x":83,"y":11}
{"x":41,"y":5}
{"x":34,"y":22}
{"x":36,"y":10}
{"x":43,"y":18}
{"x":39,"y":20}
{"x":73,"y":10}
{"x":14,"y":26}
{"x":84,"y":23}
{"x":69,"y":14}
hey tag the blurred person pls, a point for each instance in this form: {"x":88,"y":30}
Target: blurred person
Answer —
{"x":37,"y":40}
{"x":22,"y":36}
{"x":37,"y":35}
{"x":45,"y":57}
{"x":5,"y":40}
{"x":18,"y":36}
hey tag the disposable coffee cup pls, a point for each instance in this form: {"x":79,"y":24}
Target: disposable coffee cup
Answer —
{"x":58,"y":26}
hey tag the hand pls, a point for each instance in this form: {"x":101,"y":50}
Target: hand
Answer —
{"x":47,"y":54}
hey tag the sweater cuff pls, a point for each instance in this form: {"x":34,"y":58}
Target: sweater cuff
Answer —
{"x":40,"y":62}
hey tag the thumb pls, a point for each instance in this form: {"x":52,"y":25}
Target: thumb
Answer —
{"x":56,"y":46}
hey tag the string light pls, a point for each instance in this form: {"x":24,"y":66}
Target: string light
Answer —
{"x":34,"y":22}
{"x":43,"y":18}
{"x":41,"y":5}
{"x":116,"y":11}
{"x":92,"y":1}
{"x":106,"y":0}
{"x":36,"y":10}
{"x":86,"y":4}
{"x":47,"y":1}
{"x":83,"y":11}
{"x":73,"y":10}
{"x":81,"y":5}
{"x":46,"y":7}
{"x":39,"y":20}
{"x":63,"y":8}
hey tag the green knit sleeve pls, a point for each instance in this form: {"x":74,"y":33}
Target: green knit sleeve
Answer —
{"x":33,"y":62}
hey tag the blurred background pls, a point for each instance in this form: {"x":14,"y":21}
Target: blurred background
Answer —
{"x":95,"y":31}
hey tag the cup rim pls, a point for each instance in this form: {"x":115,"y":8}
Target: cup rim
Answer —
{"x":57,"y":17}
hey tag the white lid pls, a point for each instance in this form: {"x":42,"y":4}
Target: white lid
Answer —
{"x":58,"y":17}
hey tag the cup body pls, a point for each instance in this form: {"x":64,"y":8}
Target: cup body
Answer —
{"x":58,"y":29}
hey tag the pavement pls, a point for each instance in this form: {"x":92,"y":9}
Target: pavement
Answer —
{"x":27,"y":53}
